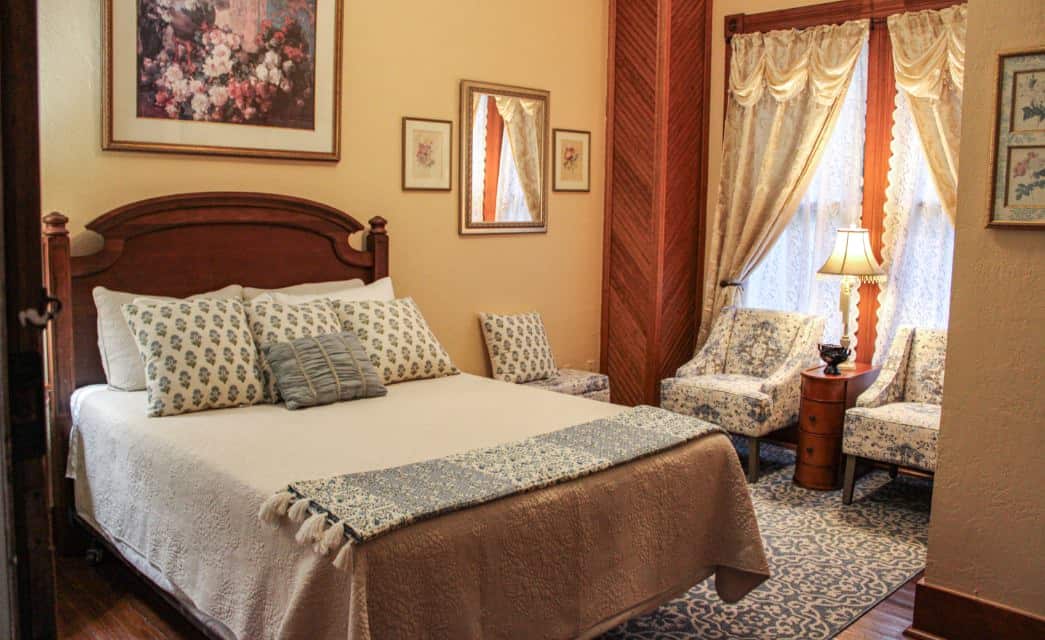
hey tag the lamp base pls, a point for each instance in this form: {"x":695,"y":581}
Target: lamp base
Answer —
{"x":850,"y":362}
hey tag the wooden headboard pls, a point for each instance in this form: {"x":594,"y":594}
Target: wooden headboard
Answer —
{"x":183,"y":244}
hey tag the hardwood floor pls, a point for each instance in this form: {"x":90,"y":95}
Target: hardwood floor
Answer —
{"x":108,"y":602}
{"x":888,"y":618}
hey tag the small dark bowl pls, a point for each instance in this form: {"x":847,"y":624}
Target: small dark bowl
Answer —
{"x":833,"y":355}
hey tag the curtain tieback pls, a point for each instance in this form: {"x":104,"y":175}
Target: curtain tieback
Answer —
{"x":731,"y":283}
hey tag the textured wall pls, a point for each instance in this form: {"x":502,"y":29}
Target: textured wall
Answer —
{"x":986,"y":535}
{"x":401,"y":57}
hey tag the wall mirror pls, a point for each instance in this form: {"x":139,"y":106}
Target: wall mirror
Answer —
{"x":504,"y":168}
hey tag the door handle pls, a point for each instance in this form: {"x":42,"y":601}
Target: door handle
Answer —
{"x":38,"y":317}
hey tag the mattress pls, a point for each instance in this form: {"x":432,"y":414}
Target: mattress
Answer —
{"x":179,"y":497}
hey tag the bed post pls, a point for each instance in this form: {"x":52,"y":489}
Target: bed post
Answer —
{"x":377,"y":241}
{"x":59,"y":378}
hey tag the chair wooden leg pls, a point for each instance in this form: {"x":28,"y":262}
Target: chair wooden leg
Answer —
{"x":894,"y":470}
{"x":752,"y":459}
{"x":850,"y":480}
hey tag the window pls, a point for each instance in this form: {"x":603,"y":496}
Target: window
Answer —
{"x":875,"y":132}
{"x":785,"y":279}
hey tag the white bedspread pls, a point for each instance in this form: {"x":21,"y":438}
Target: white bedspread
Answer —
{"x":183,"y":492}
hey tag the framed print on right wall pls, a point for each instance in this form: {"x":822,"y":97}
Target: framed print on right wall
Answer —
{"x":1017,"y":190}
{"x":572,"y":153}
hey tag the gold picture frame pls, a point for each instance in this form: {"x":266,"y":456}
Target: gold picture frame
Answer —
{"x":470,"y":91}
{"x":314,"y":135}
{"x":575,"y":176}
{"x":440,"y":157}
{"x":1017,"y":157}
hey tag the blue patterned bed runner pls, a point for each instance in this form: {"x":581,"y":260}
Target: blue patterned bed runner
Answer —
{"x":357,"y":507}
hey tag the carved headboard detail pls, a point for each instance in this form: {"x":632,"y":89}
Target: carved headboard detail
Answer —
{"x":183,"y":244}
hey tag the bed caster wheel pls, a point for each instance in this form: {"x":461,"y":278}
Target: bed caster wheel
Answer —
{"x":94,"y":555}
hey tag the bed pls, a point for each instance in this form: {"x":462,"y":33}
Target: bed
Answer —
{"x":177,"y":498}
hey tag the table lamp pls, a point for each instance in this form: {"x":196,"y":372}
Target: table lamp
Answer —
{"x":853,"y":259}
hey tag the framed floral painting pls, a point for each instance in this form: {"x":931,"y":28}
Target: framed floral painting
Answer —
{"x":572,"y":160}
{"x":1018,"y":155}
{"x":426,"y":154}
{"x":257,"y":78}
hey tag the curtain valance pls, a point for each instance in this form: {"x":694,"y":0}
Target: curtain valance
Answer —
{"x":928,"y":46}
{"x":929,"y":61}
{"x":785,"y":62}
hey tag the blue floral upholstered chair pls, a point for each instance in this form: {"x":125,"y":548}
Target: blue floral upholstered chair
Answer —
{"x":897,"y":419}
{"x":747,"y":376}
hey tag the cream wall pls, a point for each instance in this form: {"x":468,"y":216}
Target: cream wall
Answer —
{"x":401,"y":57}
{"x":986,"y":536}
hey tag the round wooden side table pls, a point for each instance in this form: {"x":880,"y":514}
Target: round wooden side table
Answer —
{"x":821,"y":417}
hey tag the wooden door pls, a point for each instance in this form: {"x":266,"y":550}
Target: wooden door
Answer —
{"x":27,"y":597}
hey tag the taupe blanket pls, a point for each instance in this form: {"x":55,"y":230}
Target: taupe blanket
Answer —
{"x":361,"y":506}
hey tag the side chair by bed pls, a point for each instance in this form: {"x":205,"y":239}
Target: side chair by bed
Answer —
{"x":897,"y":420}
{"x":747,"y":376}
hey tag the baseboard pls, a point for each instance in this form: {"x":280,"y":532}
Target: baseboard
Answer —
{"x":945,"y":614}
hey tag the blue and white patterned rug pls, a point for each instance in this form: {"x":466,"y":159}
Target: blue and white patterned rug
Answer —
{"x":830,"y":563}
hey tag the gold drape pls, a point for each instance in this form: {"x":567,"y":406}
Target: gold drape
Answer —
{"x":929,"y":60}
{"x":786,"y":89}
{"x":523,"y":120}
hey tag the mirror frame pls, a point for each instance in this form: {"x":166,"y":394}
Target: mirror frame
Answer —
{"x":466,"y":226}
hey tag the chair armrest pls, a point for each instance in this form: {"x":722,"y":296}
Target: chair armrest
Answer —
{"x":889,"y":385}
{"x":886,"y":389}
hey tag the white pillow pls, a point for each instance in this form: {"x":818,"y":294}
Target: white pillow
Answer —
{"x":329,"y":289}
{"x":121,"y":361}
{"x":380,"y":290}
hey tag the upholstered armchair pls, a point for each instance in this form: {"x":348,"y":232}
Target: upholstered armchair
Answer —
{"x":747,"y":376}
{"x":897,"y":419}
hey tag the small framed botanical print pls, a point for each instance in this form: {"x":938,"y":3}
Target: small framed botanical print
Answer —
{"x":426,"y":154}
{"x":572,"y":160}
{"x":1018,"y":156}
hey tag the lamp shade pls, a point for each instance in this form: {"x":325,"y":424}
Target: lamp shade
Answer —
{"x":852,"y":256}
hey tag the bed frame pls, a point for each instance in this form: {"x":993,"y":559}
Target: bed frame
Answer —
{"x":178,"y":245}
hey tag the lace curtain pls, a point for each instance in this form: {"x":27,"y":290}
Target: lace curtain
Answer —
{"x":511,"y":200}
{"x":785,"y":94}
{"x":523,"y":119}
{"x":478,"y":159}
{"x":920,"y":201}
{"x":786,"y":279}
{"x":918,"y":240}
